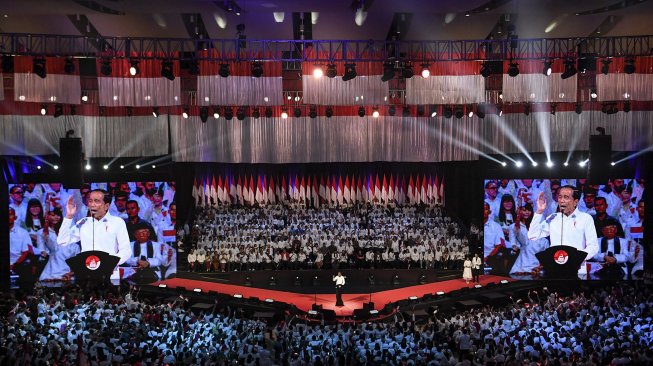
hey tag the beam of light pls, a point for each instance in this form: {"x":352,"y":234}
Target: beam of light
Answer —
{"x":449,"y":17}
{"x":583,"y":163}
{"x":160,"y":161}
{"x":545,"y":133}
{"x":487,"y":144}
{"x":360,"y":17}
{"x":135,"y":141}
{"x":160,"y":20}
{"x":574,"y":141}
{"x":503,"y":127}
{"x":220,"y":20}
{"x":463,"y":145}
{"x":555,"y":23}
{"x":39,"y":135}
{"x":634,"y":155}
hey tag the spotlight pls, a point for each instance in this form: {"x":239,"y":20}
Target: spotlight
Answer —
{"x":388,"y":71}
{"x":167,"y":71}
{"x":318,"y":72}
{"x":155,"y":112}
{"x":138,"y":166}
{"x":553,"y":109}
{"x":503,"y":163}
{"x":163,"y":285}
{"x":629,"y":66}
{"x":582,"y":163}
{"x":470,"y":114}
{"x":248,"y":281}
{"x":272,"y":281}
{"x":406,"y":111}
{"x":44,"y":109}
{"x":579,"y":108}
{"x":284,"y":114}
{"x":519,"y":164}
{"x":184,"y":113}
{"x":105,"y":67}
{"x":224,"y":70}
{"x":420,"y":110}
{"x":38,"y":67}
{"x":256,"y":113}
{"x":478,"y":285}
{"x":88,"y":166}
{"x":440,"y":293}
{"x":547,"y":68}
{"x":412,"y":298}
{"x":84,"y":97}
{"x":297,"y":281}
{"x":56,"y":167}
{"x":527,"y":109}
{"x":593,"y":94}
{"x":228,"y":113}
{"x":566,"y":163}
{"x":485,"y":70}
{"x":448,"y":112}
{"x":549,"y":164}
{"x":331,"y":71}
{"x":39,"y":167}
{"x":361,"y":111}
{"x":605,"y":66}
{"x":570,"y":69}
{"x":257,"y":69}
{"x":134,"y":69}
{"x":422,"y":279}
{"x":69,"y":66}
{"x":408,"y":72}
{"x":395,"y":280}
{"x":392,"y":110}
{"x":328,"y":112}
{"x":216,"y":112}
{"x":238,"y":296}
{"x":58,"y":110}
{"x":297,"y":112}
{"x":534,"y":163}
{"x":240,"y":113}
{"x":513,"y":69}
{"x":459,"y":112}
{"x":350,"y":72}
{"x":480,"y":110}
{"x":613,"y":163}
{"x":312,"y":112}
{"x":105,"y":167}
{"x":434,"y":111}
{"x":375,"y":113}
{"x":153,"y":166}
{"x":371,"y":280}
{"x":425,"y":71}
{"x":627,"y":106}
{"x":122,"y":167}
{"x":204,"y":114}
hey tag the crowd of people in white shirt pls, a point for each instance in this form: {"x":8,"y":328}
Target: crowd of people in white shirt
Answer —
{"x":297,"y":237}
{"x":609,"y":325}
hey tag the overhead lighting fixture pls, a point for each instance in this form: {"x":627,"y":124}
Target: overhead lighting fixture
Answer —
{"x":549,"y":164}
{"x":204,"y":114}
{"x":241,"y":113}
{"x":162,"y":285}
{"x":627,"y":106}
{"x":527,"y":109}
{"x":105,"y":67}
{"x":519,"y":164}
{"x":629,"y":66}
{"x":318,"y":72}
{"x":228,"y":113}
{"x":547,"y":68}
{"x":392,"y":110}
{"x":579,"y":108}
{"x":284,"y":114}
{"x":44,"y":109}
{"x":534,"y":163}
{"x":350,"y":72}
{"x":184,"y":113}
{"x":297,"y":112}
{"x":425,"y":71}
{"x":331,"y":71}
{"x":256,"y":113}
{"x":480,"y":110}
{"x":485,"y":69}
{"x":58,"y":110}
{"x":448,"y":112}
{"x":138,"y":166}
{"x":570,"y":69}
{"x":388,"y":71}
{"x":470,"y":114}
{"x":197,"y":290}
{"x":155,"y":112}
{"x":605,"y":66}
{"x":434,"y":110}
{"x":459,"y":112}
{"x":361,"y":111}
{"x":88,"y":166}
{"x":38,"y":67}
{"x":407,"y":72}
{"x":593,"y":94}
{"x":84,"y":96}
{"x":328,"y":112}
{"x":375,"y":113}
{"x":69,"y":66}
{"x":257,"y":69}
{"x":312,"y":112}
{"x":553,"y":109}
{"x":167,"y":70}
{"x":105,"y":167}
{"x":503,"y":163}
{"x":513,"y":69}
{"x":224,"y":70}
{"x":216,"y":112}
{"x":134,"y":69}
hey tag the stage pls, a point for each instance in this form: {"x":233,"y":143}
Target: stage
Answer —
{"x":307,"y":295}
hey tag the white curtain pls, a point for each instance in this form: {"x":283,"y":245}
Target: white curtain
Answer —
{"x":450,"y":89}
{"x":239,"y":90}
{"x":139,"y":91}
{"x":539,"y":88}
{"x":363,"y":89}
{"x":55,"y":88}
{"x":624,"y":87}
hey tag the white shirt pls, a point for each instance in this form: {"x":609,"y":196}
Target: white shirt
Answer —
{"x":19,"y":242}
{"x":110,"y":235}
{"x":340,"y":280}
{"x":578,"y":230}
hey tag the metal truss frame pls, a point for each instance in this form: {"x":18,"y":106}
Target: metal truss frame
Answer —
{"x":325,"y":50}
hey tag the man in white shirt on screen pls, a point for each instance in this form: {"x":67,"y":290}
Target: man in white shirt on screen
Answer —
{"x":569,"y":227}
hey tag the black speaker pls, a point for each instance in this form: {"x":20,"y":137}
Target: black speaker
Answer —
{"x":71,"y":161}
{"x":600,"y":157}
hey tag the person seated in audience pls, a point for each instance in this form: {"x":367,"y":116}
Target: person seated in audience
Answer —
{"x":146,"y":256}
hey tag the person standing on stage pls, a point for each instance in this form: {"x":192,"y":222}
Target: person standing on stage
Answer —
{"x":467,"y":270}
{"x":339,"y":279}
{"x":568,"y":227}
{"x":476,"y":268}
{"x":101,"y":231}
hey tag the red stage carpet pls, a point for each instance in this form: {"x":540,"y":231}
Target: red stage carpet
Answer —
{"x":352,"y":301}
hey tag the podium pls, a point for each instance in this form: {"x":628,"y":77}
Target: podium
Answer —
{"x":93,"y":266}
{"x":561,"y":261}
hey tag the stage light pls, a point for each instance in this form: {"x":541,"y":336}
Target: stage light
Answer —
{"x":224,"y":70}
{"x":84,"y":97}
{"x":388,"y":71}
{"x":39,"y":167}
{"x":582,"y":163}
{"x":269,"y":300}
{"x":459,"y":112}
{"x":312,"y":111}
{"x":547,"y":68}
{"x":534,"y":163}
{"x":485,"y":70}
{"x":134,"y":69}
{"x":350,"y":72}
{"x":297,"y":112}
{"x":44,"y":109}
{"x":87,"y":166}
{"x":184,"y":113}
{"x":503,"y":282}
{"x":284,"y":114}
{"x":105,"y":167}
{"x":626,"y":106}
{"x":162,"y":285}
{"x":408,"y":72}
{"x":298,"y":281}
{"x":331,"y":71}
{"x":105,"y":67}
{"x":204,"y":114}
{"x":56,"y":167}
{"x":371,"y":280}
{"x":412,"y":298}
{"x":155,"y":111}
{"x":395,"y":280}
{"x":629,"y":66}
{"x":138,"y":166}
{"x":501,"y":95}
{"x":553,"y":109}
{"x":519,"y":164}
{"x":420,"y":110}
{"x":527,"y":109}
{"x":579,"y":108}
{"x":374,"y":312}
{"x":605,"y":66}
{"x":422,"y":279}
{"x":257,"y":69}
{"x":566,"y":163}
{"x":440,"y":293}
{"x":38,"y":67}
{"x":570,"y":69}
{"x":240,"y":113}
{"x":69,"y":66}
{"x":256,"y":113}
{"x":405,"y":112}
{"x":613,"y":163}
{"x":513,"y":69}
{"x":361,"y":111}
{"x":477,"y":286}
{"x":434,"y":111}
{"x":122,"y":167}
{"x":216,"y":112}
{"x":238,"y":296}
{"x":480,"y":110}
{"x":593,"y":94}
{"x":312,"y":312}
{"x":470,"y":114}
{"x":503,"y":163}
{"x":375,"y":113}
{"x":167,"y":70}
{"x":448,"y":112}
{"x":268,"y":112}
{"x":549,"y":164}
{"x":318,"y":72}
{"x":228,"y":113}
{"x":392,"y":110}
{"x":425,"y":71}
{"x":58,"y":110}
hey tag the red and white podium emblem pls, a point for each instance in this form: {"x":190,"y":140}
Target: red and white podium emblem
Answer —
{"x":92,"y":262}
{"x":560,"y":256}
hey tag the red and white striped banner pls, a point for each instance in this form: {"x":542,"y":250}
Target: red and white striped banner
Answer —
{"x":56,"y":87}
{"x":617,"y":85}
{"x":449,"y":83}
{"x":531,"y":85}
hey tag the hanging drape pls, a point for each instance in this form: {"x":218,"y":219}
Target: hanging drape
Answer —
{"x":531,"y":85}
{"x":147,"y":88}
{"x":57,"y":86}
{"x":617,"y":85}
{"x":449,"y":83}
